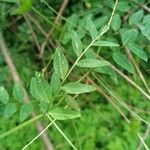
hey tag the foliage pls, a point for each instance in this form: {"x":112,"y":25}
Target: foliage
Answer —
{"x":93,"y":50}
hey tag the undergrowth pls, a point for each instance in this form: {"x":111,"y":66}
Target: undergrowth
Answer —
{"x":83,"y":72}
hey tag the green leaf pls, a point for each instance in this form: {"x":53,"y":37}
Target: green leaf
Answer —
{"x":4,"y":96}
{"x":145,"y":30}
{"x":146,"y":19}
{"x":136,"y":17}
{"x":43,"y":106}
{"x":123,"y":61}
{"x":137,"y":50}
{"x":9,"y":110}
{"x":90,"y":26}
{"x":123,"y":6}
{"x":116,"y":22}
{"x":78,"y":88}
{"x":92,"y":63}
{"x":73,"y":103}
{"x":64,"y":114}
{"x":40,"y":89}
{"x":108,"y":71}
{"x":25,"y":6}
{"x":76,"y":43}
{"x":105,"y":43}
{"x":129,"y":36}
{"x":25,"y":111}
{"x":55,"y":83}
{"x":18,"y":92}
{"x":60,"y":64}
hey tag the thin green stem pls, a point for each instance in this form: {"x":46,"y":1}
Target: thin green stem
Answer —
{"x":57,"y":127}
{"x":120,"y":101}
{"x":20,"y":126}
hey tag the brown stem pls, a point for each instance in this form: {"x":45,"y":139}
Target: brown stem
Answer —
{"x":58,"y":17}
{"x":16,"y":77}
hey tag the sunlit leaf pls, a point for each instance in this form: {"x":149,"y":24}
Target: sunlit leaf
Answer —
{"x":92,"y":63}
{"x":76,"y":43}
{"x":64,"y":114}
{"x":77,"y":88}
{"x":105,"y":43}
{"x":60,"y":63}
{"x":40,"y":89}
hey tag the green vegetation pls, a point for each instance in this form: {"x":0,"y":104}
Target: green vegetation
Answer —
{"x":74,"y":74}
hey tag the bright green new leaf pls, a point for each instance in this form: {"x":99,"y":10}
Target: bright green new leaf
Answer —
{"x":60,"y":63}
{"x":92,"y":63}
{"x":137,"y":50}
{"x":90,"y":26}
{"x":78,"y":88}
{"x":123,"y":61}
{"x":64,"y":114}
{"x":9,"y":110}
{"x":40,"y":89}
{"x":25,"y":6}
{"x":129,"y":36}
{"x":105,"y":43}
{"x":116,"y":22}
{"x":25,"y":111}
{"x":18,"y":92}
{"x":76,"y":43}
{"x":4,"y":96}
{"x":136,"y":17}
{"x":55,"y":83}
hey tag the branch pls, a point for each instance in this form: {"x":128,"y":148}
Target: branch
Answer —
{"x":16,"y":77}
{"x":58,"y":17}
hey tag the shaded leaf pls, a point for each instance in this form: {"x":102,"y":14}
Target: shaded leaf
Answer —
{"x":109,"y":71}
{"x":60,"y":63}
{"x":136,"y":17}
{"x":73,"y":103}
{"x":4,"y":96}
{"x":129,"y":36}
{"x":18,"y":92}
{"x":116,"y":22}
{"x":92,"y":63}
{"x":64,"y":114}
{"x":25,"y":111}
{"x":123,"y":61}
{"x":9,"y":110}
{"x":137,"y":50}
{"x":55,"y":83}
{"x":78,"y":88}
{"x":90,"y":26}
